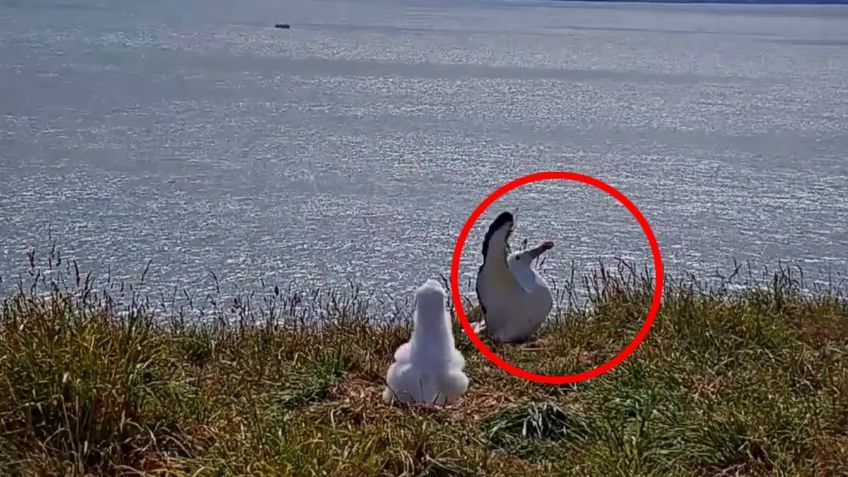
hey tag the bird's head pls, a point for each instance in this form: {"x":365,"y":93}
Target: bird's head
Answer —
{"x":527,"y":256}
{"x":430,"y":298}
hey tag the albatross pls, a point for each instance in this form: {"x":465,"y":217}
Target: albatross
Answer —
{"x":514,"y":297}
{"x":428,"y":368}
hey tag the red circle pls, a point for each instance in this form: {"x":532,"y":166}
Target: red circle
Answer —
{"x":658,"y":272}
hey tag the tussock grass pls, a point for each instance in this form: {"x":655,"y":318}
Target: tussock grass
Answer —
{"x":735,"y":378}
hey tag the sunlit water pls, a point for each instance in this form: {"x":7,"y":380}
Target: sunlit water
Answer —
{"x":354,"y":145}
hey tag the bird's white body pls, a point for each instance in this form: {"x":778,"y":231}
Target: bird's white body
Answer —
{"x":515,"y":298}
{"x":529,"y":309}
{"x":428,"y":368}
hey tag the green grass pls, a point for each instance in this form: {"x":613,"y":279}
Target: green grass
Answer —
{"x":750,"y":382}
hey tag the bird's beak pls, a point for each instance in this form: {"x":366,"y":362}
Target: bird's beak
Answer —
{"x":539,"y":250}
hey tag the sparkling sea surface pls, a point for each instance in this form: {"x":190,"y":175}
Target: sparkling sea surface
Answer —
{"x":353,"y":146}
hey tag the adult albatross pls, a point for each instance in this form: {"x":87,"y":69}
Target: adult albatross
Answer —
{"x":514,"y":298}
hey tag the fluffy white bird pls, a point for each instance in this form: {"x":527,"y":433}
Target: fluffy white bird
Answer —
{"x":428,"y":368}
{"x":514,"y":298}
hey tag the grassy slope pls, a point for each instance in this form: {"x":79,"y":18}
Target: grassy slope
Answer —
{"x":751,"y":383}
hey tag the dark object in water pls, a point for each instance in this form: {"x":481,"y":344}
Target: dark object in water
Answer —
{"x":284,"y":26}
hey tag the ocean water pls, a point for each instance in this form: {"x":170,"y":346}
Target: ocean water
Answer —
{"x":353,"y":146}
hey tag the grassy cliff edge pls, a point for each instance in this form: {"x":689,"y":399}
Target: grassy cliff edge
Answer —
{"x":731,"y":381}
